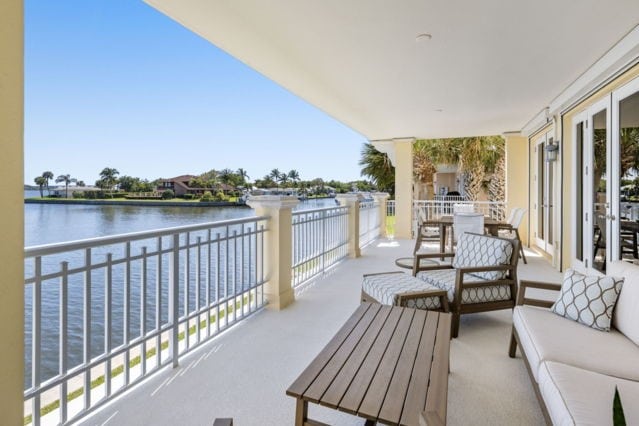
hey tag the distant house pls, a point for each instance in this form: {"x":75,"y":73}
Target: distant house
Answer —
{"x":60,"y":191}
{"x":180,"y":186}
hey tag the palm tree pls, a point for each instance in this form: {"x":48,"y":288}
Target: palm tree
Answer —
{"x":244,"y":177}
{"x":67,"y":179}
{"x":226,"y":176}
{"x":477,"y":157}
{"x":294,"y":176}
{"x":79,"y":183}
{"x":275,"y":175}
{"x":109,"y":177}
{"x":283,"y":179}
{"x":47,"y":176}
{"x":40,"y":181}
{"x":378,"y":168}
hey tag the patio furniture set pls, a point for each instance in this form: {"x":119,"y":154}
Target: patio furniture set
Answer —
{"x":370,"y":371}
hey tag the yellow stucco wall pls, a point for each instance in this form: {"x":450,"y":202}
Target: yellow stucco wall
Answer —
{"x":516,"y":178}
{"x":568,"y":154}
{"x":12,"y":212}
{"x":403,"y":188}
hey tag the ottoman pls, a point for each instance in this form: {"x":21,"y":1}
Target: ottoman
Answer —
{"x":401,"y":289}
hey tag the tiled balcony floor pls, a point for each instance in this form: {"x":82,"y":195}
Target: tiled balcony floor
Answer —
{"x":245,"y":372}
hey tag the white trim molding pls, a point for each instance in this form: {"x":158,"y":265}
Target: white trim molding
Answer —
{"x":620,"y":57}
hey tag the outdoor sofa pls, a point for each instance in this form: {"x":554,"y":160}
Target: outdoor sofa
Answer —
{"x":574,"y":368}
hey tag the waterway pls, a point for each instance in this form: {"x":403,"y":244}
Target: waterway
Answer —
{"x":55,"y":223}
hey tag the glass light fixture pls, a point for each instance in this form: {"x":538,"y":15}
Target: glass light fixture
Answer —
{"x":552,"y":151}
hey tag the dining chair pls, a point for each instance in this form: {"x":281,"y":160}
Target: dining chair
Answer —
{"x":467,"y":222}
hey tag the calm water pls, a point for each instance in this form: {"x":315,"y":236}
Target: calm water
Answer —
{"x":50,"y":223}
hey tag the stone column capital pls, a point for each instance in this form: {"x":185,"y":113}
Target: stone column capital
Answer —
{"x":272,"y":202}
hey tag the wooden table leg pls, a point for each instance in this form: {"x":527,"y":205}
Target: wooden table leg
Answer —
{"x":301,"y":412}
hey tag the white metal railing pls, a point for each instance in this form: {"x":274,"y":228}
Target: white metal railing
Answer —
{"x":390,"y":207}
{"x":320,"y":240}
{"x":449,"y":198}
{"x":101,"y":314}
{"x":369,"y":222}
{"x":433,"y":209}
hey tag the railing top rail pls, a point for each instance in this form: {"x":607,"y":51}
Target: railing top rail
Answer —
{"x":301,"y":212}
{"x":48,"y":249}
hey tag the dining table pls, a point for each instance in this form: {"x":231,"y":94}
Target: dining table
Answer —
{"x":446,"y":221}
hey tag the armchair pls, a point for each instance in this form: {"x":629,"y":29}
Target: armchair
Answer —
{"x":481,"y":277}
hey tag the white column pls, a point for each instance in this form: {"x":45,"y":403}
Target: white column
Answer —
{"x":403,"y":188}
{"x":517,"y":177}
{"x":278,"y":247}
{"x":12,"y":212}
{"x":352,"y":202}
{"x":381,"y":198}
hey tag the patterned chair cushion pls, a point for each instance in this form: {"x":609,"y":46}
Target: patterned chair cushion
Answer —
{"x":385,"y":288}
{"x":445,"y":280}
{"x":588,"y":299}
{"x":482,"y":250}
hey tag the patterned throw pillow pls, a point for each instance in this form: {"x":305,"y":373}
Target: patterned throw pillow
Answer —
{"x":588,"y":299}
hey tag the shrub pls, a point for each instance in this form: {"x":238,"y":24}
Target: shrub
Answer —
{"x":168,"y":194}
{"x":207,"y":196}
{"x":78,"y":194}
{"x":220,"y":196}
{"x":188,"y":196}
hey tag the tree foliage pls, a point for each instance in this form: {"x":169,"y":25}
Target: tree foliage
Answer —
{"x":377,"y":166}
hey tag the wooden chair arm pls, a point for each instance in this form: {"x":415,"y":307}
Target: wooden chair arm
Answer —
{"x":402,"y":298}
{"x":433,"y":255}
{"x":524,"y":284}
{"x":473,"y":269}
{"x":430,"y":268}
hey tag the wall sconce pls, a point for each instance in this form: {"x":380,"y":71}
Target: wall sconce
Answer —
{"x":552,"y":150}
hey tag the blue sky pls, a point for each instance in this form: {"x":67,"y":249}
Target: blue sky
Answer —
{"x":114,"y":83}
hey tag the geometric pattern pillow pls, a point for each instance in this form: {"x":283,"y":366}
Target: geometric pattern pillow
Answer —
{"x":588,"y":299}
{"x":482,"y":250}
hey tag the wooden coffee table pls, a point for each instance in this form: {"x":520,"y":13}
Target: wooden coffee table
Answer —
{"x":386,"y":364}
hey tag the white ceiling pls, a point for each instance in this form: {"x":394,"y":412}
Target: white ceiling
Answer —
{"x":491,"y":65}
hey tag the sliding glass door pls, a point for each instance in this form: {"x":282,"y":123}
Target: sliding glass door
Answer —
{"x":544,"y":205}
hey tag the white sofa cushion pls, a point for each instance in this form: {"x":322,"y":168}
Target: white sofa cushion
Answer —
{"x":385,"y":288}
{"x":445,"y":280}
{"x":575,"y":396}
{"x":626,"y":314}
{"x":588,"y":299}
{"x":545,"y":336}
{"x":482,"y":250}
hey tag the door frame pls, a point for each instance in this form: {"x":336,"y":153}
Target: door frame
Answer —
{"x":549,"y":193}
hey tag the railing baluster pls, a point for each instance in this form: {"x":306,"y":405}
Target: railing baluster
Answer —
{"x":143,"y":296}
{"x":174,"y":294}
{"x":217,"y":285}
{"x":187,"y":286}
{"x":36,"y":338}
{"x":127,"y":310}
{"x":208,"y":283}
{"x":158,"y":306}
{"x":64,"y":315}
{"x":86,"y":339}
{"x":198,"y":282}
{"x":107,"y":322}
{"x":234,"y":275}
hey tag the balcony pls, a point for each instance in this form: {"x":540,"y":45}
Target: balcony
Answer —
{"x":244,"y":372}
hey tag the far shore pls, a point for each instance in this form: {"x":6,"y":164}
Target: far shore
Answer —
{"x":176,"y":202}
{"x":138,"y":203}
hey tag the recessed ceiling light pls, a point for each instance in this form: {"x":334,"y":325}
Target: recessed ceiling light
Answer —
{"x":423,"y":37}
